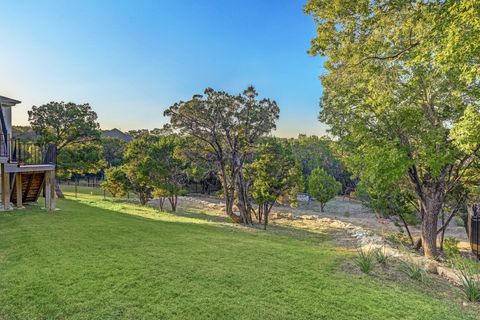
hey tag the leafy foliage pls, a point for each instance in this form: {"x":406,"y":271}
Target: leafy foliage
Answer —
{"x":152,"y":167}
{"x":276,"y":177}
{"x":113,"y":150}
{"x":365,"y":260}
{"x":64,"y":124}
{"x":318,"y":152}
{"x":413,"y":271}
{"x":225,"y":130}
{"x":83,"y":158}
{"x":450,"y":247}
{"x":402,"y":95}
{"x":116,"y":181}
{"x":322,"y":186}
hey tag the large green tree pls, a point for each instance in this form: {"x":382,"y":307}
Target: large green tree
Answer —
{"x":225,"y":129}
{"x":64,"y":124}
{"x":84,"y":158}
{"x":401,"y":93}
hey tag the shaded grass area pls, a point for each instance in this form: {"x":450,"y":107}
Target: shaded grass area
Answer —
{"x":90,"y":260}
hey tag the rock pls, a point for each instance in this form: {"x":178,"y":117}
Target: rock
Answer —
{"x":449,"y":274}
{"x":431,"y":267}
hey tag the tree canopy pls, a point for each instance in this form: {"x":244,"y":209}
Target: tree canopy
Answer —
{"x":276,"y":176}
{"x":225,"y":130}
{"x":64,"y":124}
{"x":401,"y":94}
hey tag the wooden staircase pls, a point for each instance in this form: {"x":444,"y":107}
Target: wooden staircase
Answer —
{"x":32,"y":186}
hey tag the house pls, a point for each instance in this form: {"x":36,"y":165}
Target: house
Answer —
{"x":116,"y":134}
{"x":27,"y":170}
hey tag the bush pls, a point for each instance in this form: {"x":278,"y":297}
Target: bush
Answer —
{"x":398,"y":239}
{"x":365,"y":260}
{"x":450,"y":247}
{"x":381,"y":256}
{"x":322,"y":186}
{"x":413,"y":271}
{"x":116,"y":182}
{"x":471,"y":286}
{"x":346,"y":214}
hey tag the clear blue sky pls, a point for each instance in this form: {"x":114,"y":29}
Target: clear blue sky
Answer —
{"x":132,"y":59}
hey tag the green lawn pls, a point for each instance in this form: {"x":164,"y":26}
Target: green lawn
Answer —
{"x":90,"y":261}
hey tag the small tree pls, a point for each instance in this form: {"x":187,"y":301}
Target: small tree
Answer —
{"x":322,"y":186}
{"x":116,"y":181}
{"x":276,"y":176}
{"x":152,"y":165}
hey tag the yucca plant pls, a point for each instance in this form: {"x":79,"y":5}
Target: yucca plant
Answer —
{"x":365,"y":260}
{"x":471,"y":286}
{"x":381,"y":256}
{"x":413,"y":271}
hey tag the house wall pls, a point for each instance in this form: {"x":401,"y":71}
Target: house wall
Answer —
{"x":7,"y":113}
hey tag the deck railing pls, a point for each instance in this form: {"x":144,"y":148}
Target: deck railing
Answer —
{"x":27,"y":153}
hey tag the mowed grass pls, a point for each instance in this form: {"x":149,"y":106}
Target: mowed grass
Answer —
{"x":101,"y":259}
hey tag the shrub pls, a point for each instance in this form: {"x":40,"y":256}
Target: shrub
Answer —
{"x":450,"y":247}
{"x":116,"y":182}
{"x":470,"y":285}
{"x":322,"y":186}
{"x":381,"y":256}
{"x":398,"y":239}
{"x":413,"y":271}
{"x":365,"y":261}
{"x":346,"y":214}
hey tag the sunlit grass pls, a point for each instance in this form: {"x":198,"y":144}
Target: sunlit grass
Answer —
{"x":106,"y":259}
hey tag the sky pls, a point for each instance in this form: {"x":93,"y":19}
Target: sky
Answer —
{"x":132,"y":59}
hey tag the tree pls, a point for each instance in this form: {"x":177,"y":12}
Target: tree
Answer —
{"x":276,"y":176}
{"x":165,"y":168}
{"x":318,"y":152}
{"x":137,"y":167}
{"x":153,"y":168}
{"x":390,"y":203}
{"x":113,"y":150}
{"x":225,"y":129}
{"x":322,"y":186}
{"x":63,"y":124}
{"x":401,"y":93}
{"x":82,"y":158}
{"x":116,"y":181}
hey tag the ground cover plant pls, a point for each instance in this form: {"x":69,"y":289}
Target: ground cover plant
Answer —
{"x":100,"y":259}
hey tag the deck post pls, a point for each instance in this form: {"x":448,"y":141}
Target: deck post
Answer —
{"x":18,"y":184}
{"x":5,"y":187}
{"x":50,"y":190}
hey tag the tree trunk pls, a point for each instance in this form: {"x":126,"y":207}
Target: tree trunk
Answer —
{"x":442,"y":235}
{"x":432,"y":206}
{"x":173,"y":202}
{"x":406,"y":228}
{"x":228,"y":194}
{"x":265,"y":219}
{"x":243,"y":203}
{"x":161,"y":203}
{"x":322,"y":206}
{"x":58,"y":191}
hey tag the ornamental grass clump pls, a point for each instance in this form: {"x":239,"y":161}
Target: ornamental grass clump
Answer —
{"x":365,"y":260}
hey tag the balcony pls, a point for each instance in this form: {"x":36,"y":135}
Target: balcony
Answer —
{"x":23,"y":153}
